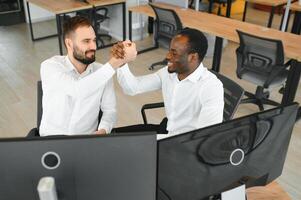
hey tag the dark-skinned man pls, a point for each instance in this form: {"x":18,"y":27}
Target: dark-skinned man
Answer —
{"x":193,"y":96}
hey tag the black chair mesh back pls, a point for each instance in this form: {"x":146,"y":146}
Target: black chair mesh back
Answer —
{"x":167,"y":22}
{"x":258,"y":54}
{"x":39,"y":103}
{"x":233,"y":94}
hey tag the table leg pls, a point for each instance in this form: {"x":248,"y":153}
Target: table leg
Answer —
{"x":229,"y":5}
{"x":271,"y":16}
{"x":123,"y":21}
{"x":31,"y":28}
{"x":210,"y":6}
{"x":130,"y":25}
{"x":245,"y":11}
{"x":297,"y":23}
{"x":217,"y":56}
{"x":287,"y":23}
{"x":291,"y":83}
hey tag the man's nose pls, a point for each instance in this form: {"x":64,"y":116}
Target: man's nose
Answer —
{"x":92,"y":45}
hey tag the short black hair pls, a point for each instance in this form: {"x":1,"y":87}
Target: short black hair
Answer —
{"x":197,"y":41}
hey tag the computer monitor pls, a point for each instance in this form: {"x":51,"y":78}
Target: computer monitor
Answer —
{"x":250,"y":150}
{"x":111,"y":167}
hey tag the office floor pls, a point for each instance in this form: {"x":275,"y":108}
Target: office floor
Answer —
{"x":20,"y":60}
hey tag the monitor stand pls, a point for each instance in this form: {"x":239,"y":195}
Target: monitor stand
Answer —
{"x":46,"y":188}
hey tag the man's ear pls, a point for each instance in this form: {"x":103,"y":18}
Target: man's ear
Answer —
{"x":193,"y":57}
{"x":69,"y":44}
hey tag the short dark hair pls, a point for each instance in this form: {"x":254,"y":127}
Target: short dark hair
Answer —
{"x":197,"y":42}
{"x":73,"y":23}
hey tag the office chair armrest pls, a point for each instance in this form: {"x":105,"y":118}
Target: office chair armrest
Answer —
{"x":150,"y":106}
{"x":274,"y":73}
{"x":34,"y":132}
{"x":288,"y":63}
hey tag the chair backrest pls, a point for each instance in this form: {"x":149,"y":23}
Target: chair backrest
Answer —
{"x":39,"y":103}
{"x":233,"y":94}
{"x":167,"y":22}
{"x":258,"y":54}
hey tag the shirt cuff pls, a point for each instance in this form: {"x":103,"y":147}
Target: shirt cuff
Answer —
{"x":105,"y":127}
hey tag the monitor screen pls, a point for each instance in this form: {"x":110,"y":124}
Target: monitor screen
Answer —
{"x":111,"y":167}
{"x":206,"y":162}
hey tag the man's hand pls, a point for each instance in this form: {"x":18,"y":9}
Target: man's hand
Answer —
{"x":122,"y":52}
{"x":130,"y":51}
{"x":117,"y":51}
{"x":101,"y":132}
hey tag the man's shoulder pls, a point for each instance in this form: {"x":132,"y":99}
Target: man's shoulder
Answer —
{"x":212,"y":79}
{"x":54,"y":63}
{"x":55,"y":59}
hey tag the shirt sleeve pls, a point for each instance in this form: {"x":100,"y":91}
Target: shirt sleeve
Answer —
{"x":212,"y":105}
{"x":54,"y":77}
{"x":132,"y":85}
{"x":108,"y":108}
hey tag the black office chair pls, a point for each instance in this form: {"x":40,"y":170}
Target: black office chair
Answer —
{"x":100,"y":15}
{"x":34,"y":132}
{"x":233,"y":94}
{"x":167,"y":24}
{"x":261,"y":62}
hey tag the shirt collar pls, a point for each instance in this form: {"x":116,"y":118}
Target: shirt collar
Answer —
{"x":71,"y":67}
{"x":198,"y":73}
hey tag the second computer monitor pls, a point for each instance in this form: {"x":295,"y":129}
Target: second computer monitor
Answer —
{"x":250,"y":150}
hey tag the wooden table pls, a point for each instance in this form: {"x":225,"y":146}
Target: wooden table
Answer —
{"x":273,"y":3}
{"x":226,"y":28}
{"x":297,"y":19}
{"x":62,"y":7}
{"x":57,"y":7}
{"x":272,"y":191}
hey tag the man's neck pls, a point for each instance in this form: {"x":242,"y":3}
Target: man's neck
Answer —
{"x":182,"y":76}
{"x":80,"y":67}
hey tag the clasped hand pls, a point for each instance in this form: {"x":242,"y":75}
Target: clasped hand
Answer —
{"x":124,"y":51}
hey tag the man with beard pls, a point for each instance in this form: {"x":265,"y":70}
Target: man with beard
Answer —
{"x":193,"y":96}
{"x":75,"y":87}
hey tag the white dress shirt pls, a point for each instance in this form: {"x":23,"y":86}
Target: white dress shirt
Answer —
{"x":193,"y":103}
{"x":71,"y":101}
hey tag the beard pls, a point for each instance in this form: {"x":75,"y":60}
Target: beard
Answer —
{"x":82,"y":56}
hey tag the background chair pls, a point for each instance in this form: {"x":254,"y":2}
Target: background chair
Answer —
{"x":34,"y":132}
{"x":233,"y":94}
{"x":167,"y":24}
{"x":261,"y":62}
{"x":100,"y":15}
